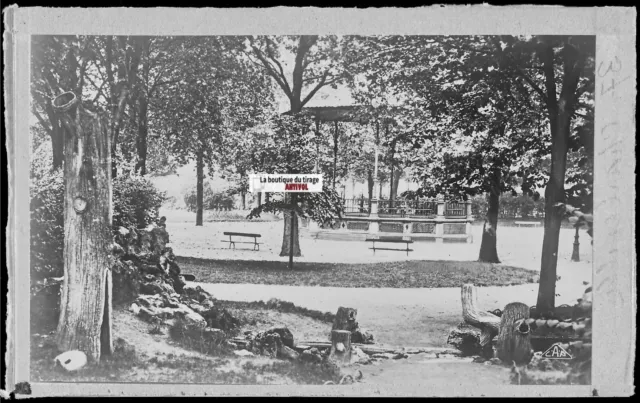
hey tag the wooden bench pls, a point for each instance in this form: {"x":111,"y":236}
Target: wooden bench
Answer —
{"x":528,"y":223}
{"x":391,"y":239}
{"x":255,"y":243}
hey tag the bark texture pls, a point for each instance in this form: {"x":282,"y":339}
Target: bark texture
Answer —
{"x":488,"y":323}
{"x":199,"y":189}
{"x":286,"y":237}
{"x":514,"y":342}
{"x":488,"y":246}
{"x":340,"y":347}
{"x":85,"y":309}
{"x":560,"y":111}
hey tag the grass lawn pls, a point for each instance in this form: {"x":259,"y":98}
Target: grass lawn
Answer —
{"x":407,"y":274}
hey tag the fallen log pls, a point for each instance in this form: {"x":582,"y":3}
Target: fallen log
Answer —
{"x":366,"y":348}
{"x":488,"y":323}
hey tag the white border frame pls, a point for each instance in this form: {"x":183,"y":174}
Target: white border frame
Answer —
{"x":614,"y":193}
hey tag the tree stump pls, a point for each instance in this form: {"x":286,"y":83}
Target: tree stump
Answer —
{"x":514,"y":339}
{"x":488,"y":323}
{"x":340,"y":347}
{"x":345,"y":319}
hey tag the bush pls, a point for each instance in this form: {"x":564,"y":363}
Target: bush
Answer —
{"x":521,"y":206}
{"x":47,"y":224}
{"x":136,"y":202}
{"x":211,"y":200}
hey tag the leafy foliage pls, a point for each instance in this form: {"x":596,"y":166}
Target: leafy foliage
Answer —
{"x":47,"y":224}
{"x":211,"y":200}
{"x":136,"y":202}
{"x":291,"y":149}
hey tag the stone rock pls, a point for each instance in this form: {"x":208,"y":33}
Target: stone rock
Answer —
{"x":196,"y":293}
{"x":135,"y":308}
{"x":359,"y":357}
{"x":71,"y":360}
{"x":220,"y":318}
{"x":362,"y":336}
{"x":243,"y":353}
{"x":154,"y":287}
{"x":399,"y":356}
{"x":384,"y":356}
{"x":466,"y":338}
{"x":311,"y":356}
{"x":214,"y":334}
{"x":285,"y":335}
{"x":190,"y":317}
{"x":289,"y":353}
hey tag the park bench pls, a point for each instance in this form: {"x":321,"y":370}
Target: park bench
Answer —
{"x":528,"y":223}
{"x":391,"y":239}
{"x":255,"y":243}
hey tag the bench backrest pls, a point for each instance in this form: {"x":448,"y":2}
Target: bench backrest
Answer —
{"x":242,"y":234}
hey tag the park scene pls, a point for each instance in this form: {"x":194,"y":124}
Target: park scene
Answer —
{"x":451,"y":241}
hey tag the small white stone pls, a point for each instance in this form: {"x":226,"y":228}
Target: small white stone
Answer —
{"x":243,"y":353}
{"x":72,"y":360}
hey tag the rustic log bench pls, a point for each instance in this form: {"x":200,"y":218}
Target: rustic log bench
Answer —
{"x":528,"y":223}
{"x":255,"y":243}
{"x":391,"y":239}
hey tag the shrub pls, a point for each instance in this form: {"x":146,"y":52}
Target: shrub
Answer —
{"x":211,"y":200}
{"x":521,"y":206}
{"x":136,"y":202}
{"x":47,"y":224}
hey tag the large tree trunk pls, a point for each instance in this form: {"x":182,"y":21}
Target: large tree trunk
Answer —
{"x":85,"y":307}
{"x":286,"y":237}
{"x":488,"y":246}
{"x":199,"y":188}
{"x":141,"y":140}
{"x":396,"y":181}
{"x":259,"y":198}
{"x":243,"y":195}
{"x":560,"y":114}
{"x":391,"y":196}
{"x":370,"y":184}
{"x":143,"y":105}
{"x":335,"y":153}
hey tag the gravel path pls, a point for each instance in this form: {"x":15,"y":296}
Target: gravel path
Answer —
{"x":418,"y":317}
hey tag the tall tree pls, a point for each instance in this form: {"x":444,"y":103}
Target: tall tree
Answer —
{"x":82,"y":128}
{"x":316,"y":64}
{"x":290,"y":149}
{"x":212,"y":93}
{"x":561,"y":69}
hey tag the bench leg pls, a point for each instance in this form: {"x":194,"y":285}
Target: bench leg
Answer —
{"x":255,"y":244}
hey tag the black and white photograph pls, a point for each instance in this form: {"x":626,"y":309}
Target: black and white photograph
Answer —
{"x":353,"y":212}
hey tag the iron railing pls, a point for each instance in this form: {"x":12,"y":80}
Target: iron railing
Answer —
{"x":404,"y":208}
{"x":360,"y":206}
{"x":455,"y":209}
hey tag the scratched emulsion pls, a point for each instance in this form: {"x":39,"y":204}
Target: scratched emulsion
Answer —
{"x":614,"y":216}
